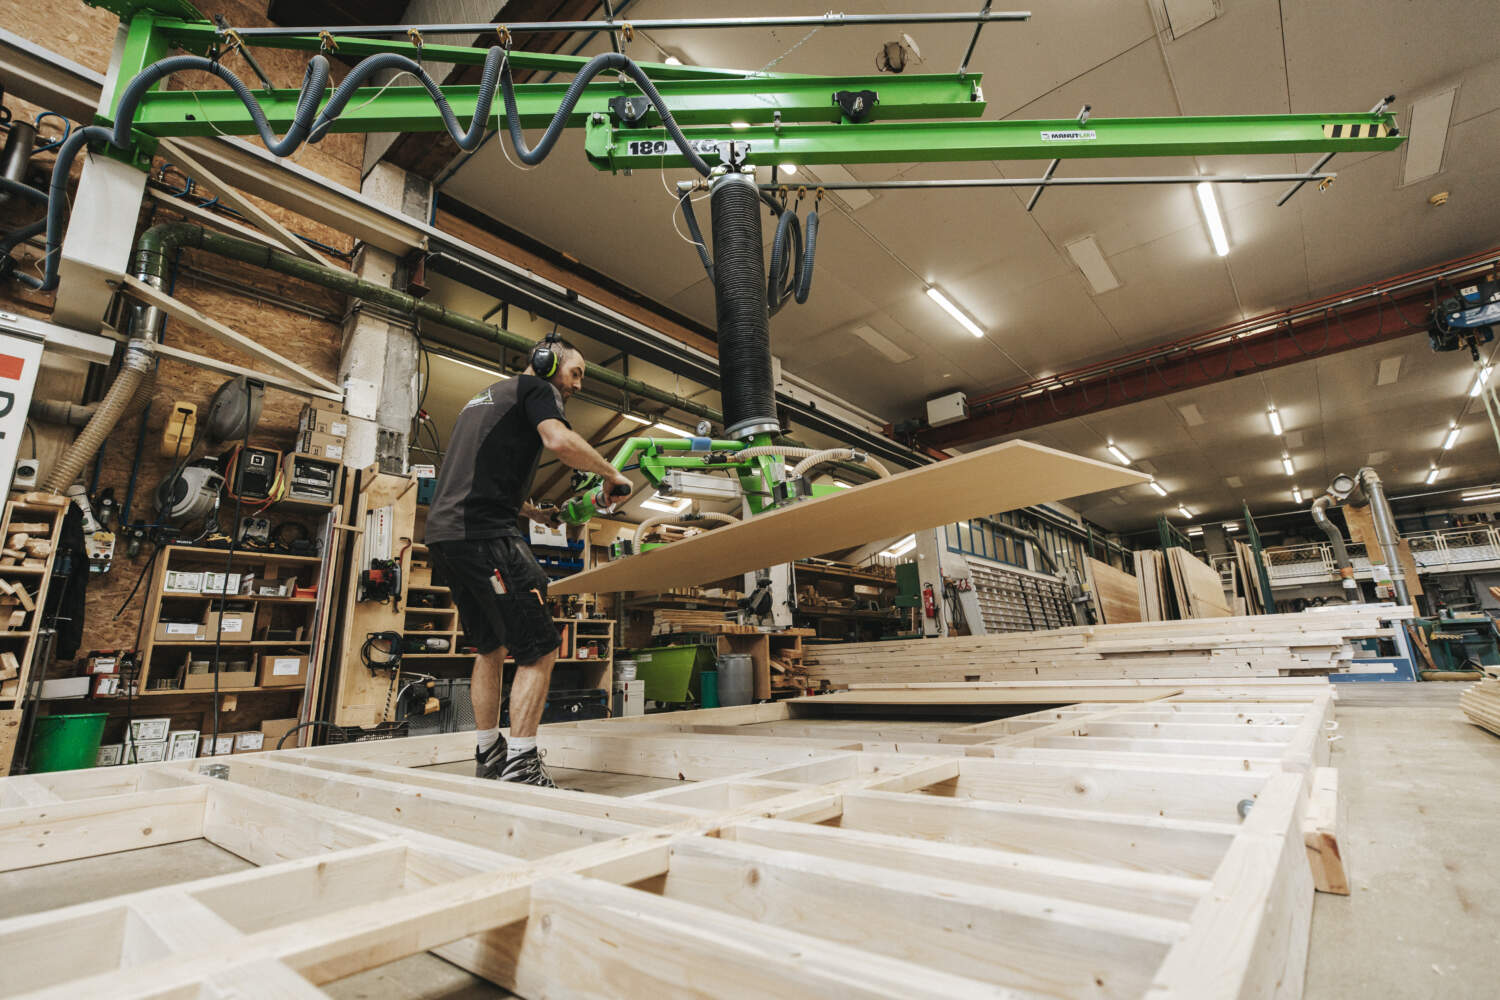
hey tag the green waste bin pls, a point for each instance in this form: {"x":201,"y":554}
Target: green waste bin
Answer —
{"x":671,"y":672}
{"x":66,"y":742}
{"x":709,"y":682}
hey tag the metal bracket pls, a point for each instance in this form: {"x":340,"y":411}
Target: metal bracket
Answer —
{"x":629,"y":110}
{"x":857,"y":105}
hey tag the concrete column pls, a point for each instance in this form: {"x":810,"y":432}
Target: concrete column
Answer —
{"x":378,"y":365}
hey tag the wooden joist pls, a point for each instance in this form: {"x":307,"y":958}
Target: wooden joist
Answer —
{"x":779,"y":864}
{"x":1481,"y":704}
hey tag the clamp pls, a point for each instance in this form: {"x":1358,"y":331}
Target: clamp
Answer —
{"x":502,"y":33}
{"x":415,"y":37}
{"x":326,"y":41}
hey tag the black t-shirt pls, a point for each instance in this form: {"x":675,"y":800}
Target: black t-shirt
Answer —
{"x":491,"y":459}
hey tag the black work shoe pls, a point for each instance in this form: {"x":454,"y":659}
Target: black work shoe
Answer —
{"x":487,"y":763}
{"x":526,"y":769}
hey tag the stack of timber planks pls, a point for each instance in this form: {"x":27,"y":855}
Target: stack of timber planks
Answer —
{"x":1308,"y":643}
{"x":1175,"y":584}
{"x":1481,"y":703}
{"x":666,"y":621}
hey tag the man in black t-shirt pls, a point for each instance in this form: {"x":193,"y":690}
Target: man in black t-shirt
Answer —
{"x":478,"y":551}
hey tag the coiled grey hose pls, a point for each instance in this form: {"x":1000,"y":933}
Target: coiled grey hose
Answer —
{"x":791,"y":270}
{"x":308,"y":128}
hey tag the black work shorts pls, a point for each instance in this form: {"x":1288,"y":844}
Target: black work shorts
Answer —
{"x":517,"y":619}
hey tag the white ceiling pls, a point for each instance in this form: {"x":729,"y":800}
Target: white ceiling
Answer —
{"x":1009,"y":268}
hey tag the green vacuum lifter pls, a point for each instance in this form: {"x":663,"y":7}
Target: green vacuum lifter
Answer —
{"x":731,"y":126}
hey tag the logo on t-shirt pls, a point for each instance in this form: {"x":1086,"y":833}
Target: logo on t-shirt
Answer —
{"x":483,"y":399}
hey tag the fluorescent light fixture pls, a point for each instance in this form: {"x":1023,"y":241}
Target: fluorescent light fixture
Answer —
{"x":634,"y":418}
{"x":1275,"y":419}
{"x":1296,"y":494}
{"x":1426,"y":136}
{"x":1286,"y":463}
{"x":672,"y":430}
{"x":1184,"y":512}
{"x":1120,"y":456}
{"x":1452,"y":438}
{"x":902,"y":547}
{"x":1231,"y":527}
{"x":1090,"y":260}
{"x":1195,"y":532}
{"x":666,"y":504}
{"x":1160,"y":490}
{"x":953,"y":310}
{"x":1210,"y":207}
{"x":492,"y":372}
{"x":1487,"y":494}
{"x":1480,"y":380}
{"x":842,"y":485}
{"x":787,"y":168}
{"x":739,"y":125}
{"x":1390,"y":370}
{"x":1432,"y":475}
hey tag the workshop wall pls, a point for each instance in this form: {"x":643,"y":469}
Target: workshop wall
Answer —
{"x":299,"y":320}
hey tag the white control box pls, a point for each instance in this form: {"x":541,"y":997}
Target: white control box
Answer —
{"x":949,"y":409}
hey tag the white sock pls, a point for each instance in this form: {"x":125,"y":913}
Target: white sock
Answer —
{"x":487,"y":738}
{"x":519,"y":745}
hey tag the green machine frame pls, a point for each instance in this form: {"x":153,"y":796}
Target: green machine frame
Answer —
{"x":727,"y":116}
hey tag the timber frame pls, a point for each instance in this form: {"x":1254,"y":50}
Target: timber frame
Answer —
{"x":1128,"y":839}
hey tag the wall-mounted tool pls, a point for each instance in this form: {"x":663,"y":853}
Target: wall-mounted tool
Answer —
{"x":181,"y":428}
{"x":251,"y":473}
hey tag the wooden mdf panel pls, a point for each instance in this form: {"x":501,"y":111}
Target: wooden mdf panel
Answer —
{"x":1118,"y":593}
{"x":1004,"y":477}
{"x":1198,"y":584}
{"x":1362,"y":532}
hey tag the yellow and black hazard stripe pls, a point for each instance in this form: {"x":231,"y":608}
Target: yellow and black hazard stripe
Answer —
{"x":1371,"y":130}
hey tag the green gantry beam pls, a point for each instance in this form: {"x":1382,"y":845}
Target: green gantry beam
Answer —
{"x":703,"y":102}
{"x":943,"y":141}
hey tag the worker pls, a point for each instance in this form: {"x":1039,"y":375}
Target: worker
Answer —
{"x":478,"y":551}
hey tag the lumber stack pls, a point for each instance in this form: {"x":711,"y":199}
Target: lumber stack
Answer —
{"x":1305,"y":644}
{"x":1176,"y":584}
{"x":667,"y":621}
{"x":1481,"y":703}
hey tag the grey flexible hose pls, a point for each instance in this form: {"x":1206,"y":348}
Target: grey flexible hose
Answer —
{"x":651,"y":523}
{"x":306,"y":127}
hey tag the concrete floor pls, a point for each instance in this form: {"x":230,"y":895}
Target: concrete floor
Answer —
{"x":1422,"y":822}
{"x":1422,"y":793}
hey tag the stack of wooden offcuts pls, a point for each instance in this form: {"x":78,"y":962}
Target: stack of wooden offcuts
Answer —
{"x":1307,"y":644}
{"x":1481,"y":703}
{"x":667,"y":621}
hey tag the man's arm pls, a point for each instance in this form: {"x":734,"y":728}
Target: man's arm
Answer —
{"x":575,"y":452}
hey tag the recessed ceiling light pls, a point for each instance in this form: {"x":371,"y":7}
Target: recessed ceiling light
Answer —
{"x":1190,"y":415}
{"x":958,"y":314}
{"x":1091,"y":262}
{"x":1210,"y":206}
{"x":1390,"y":370}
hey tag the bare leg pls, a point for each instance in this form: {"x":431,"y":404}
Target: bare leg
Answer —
{"x":484,"y":688}
{"x":528,"y":695}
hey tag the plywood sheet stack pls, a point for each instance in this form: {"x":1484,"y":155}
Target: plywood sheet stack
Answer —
{"x":667,"y":621}
{"x":1481,"y":703}
{"x":1116,"y":593}
{"x":1175,"y":584}
{"x":1310,"y":643}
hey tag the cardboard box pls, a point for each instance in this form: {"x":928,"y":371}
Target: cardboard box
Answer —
{"x":249,"y":742}
{"x":321,"y":445}
{"x":209,"y":747}
{"x":180,"y":631}
{"x":182,"y":744}
{"x":221,"y":583}
{"x":227,"y":679}
{"x":228,"y":626}
{"x":283,"y":670}
{"x":182,"y":582}
{"x":322,"y":416}
{"x":110,"y":754}
{"x":149,"y":730}
{"x":106,"y":686}
{"x":274,"y":729}
{"x":144,"y":752}
{"x":109,"y":664}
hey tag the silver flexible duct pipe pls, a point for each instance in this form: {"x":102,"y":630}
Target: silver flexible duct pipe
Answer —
{"x":1340,"y":552}
{"x":650,"y":524}
{"x":1385,"y":529}
{"x":136,"y":378}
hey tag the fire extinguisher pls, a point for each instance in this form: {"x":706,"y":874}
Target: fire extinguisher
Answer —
{"x":929,"y":603}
